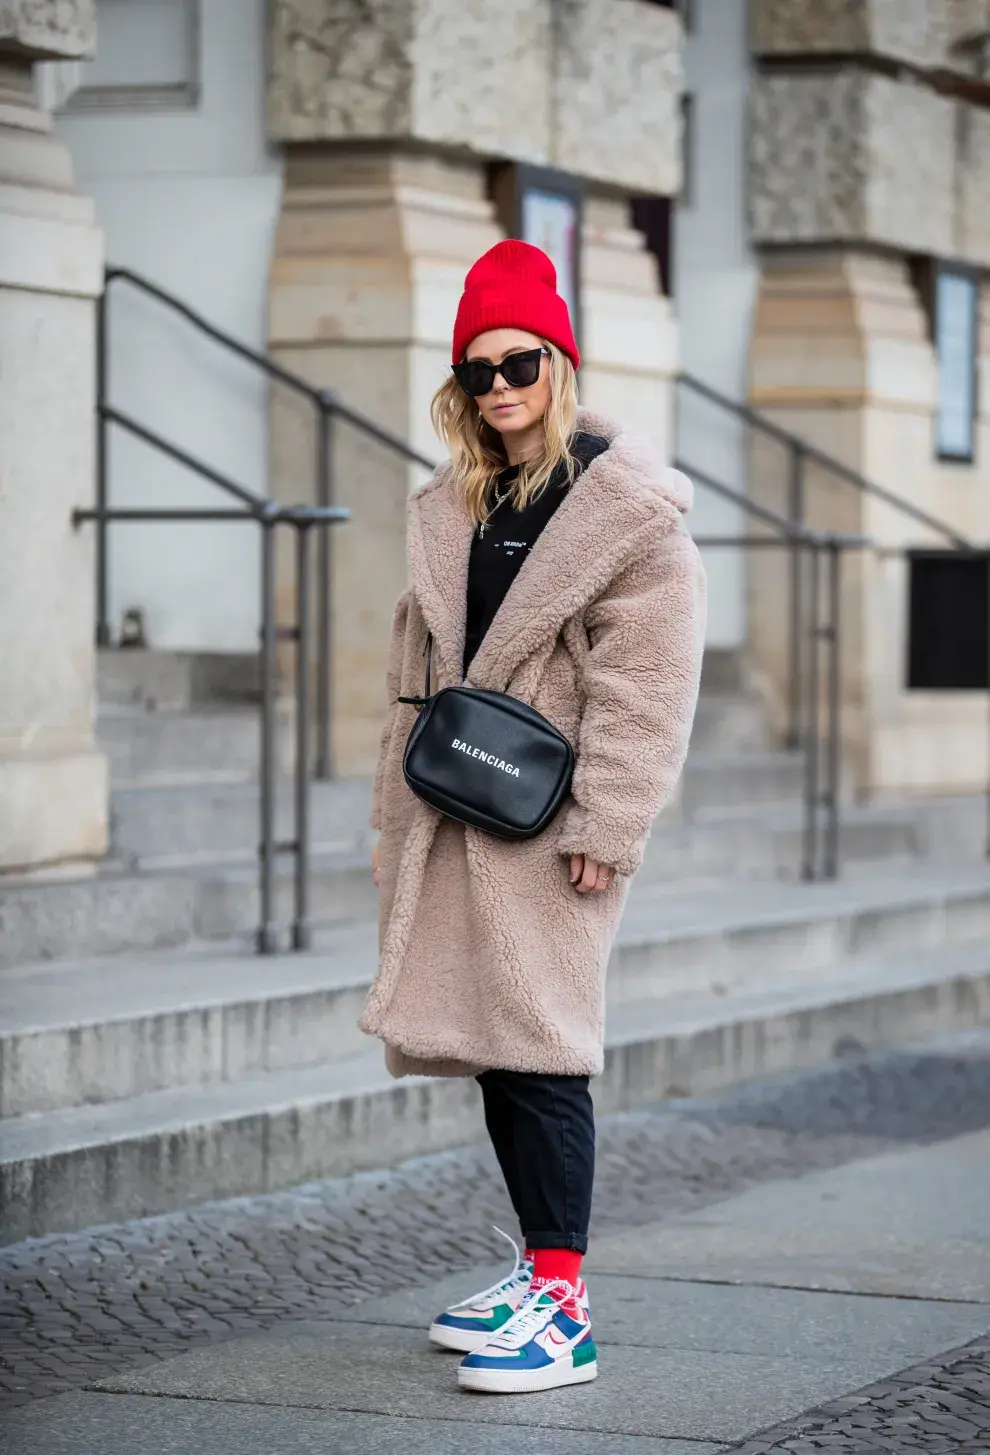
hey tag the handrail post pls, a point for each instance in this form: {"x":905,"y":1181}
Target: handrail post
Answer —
{"x":324,"y":640}
{"x":102,"y":465}
{"x":796,"y":514}
{"x":812,"y":795}
{"x":833,"y":771}
{"x":301,"y":930}
{"x":267,"y":936}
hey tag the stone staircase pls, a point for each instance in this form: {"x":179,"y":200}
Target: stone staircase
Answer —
{"x":148,"y":1059}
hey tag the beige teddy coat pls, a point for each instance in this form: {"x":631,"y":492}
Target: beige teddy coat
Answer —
{"x":488,"y":955}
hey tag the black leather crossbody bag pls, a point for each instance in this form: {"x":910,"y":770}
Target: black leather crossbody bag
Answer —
{"x":486,"y":759}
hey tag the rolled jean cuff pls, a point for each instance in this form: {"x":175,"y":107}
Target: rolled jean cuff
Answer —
{"x":574,"y":1242}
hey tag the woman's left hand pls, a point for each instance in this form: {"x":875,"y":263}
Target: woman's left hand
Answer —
{"x":590,"y":877}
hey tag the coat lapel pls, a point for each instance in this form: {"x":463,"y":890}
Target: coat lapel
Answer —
{"x":622,"y":501}
{"x":439,"y":537}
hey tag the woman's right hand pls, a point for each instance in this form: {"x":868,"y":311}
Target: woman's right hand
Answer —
{"x":376,"y":864}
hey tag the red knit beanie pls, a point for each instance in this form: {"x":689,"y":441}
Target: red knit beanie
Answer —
{"x":514,"y":285}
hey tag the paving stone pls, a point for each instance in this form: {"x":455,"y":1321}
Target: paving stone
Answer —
{"x":90,"y":1422}
{"x":326,"y":1247}
{"x":911,"y":1412}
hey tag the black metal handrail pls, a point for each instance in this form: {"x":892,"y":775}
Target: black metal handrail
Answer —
{"x":268,"y":515}
{"x":821,"y":741}
{"x":329,"y":408}
{"x":802,"y":452}
{"x":807,"y":451}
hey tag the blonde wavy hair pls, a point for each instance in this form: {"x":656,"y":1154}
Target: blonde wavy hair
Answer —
{"x":478,"y":454}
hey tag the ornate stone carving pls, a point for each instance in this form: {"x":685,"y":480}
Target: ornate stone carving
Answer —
{"x":589,"y":85}
{"x":617,"y":85}
{"x":920,"y":32}
{"x":851,"y":156}
{"x":48,"y":29}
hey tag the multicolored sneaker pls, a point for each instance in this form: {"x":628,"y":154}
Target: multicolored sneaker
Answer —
{"x":470,"y":1325}
{"x":541,"y":1346}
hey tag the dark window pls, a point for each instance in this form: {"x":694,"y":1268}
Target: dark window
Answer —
{"x":948,"y":621}
{"x":652,"y":217}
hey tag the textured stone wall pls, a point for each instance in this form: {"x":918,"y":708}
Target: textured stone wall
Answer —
{"x":340,"y":68}
{"x":807,"y":158}
{"x":617,"y":85}
{"x":480,"y":76}
{"x":973,"y":227}
{"x":48,"y":29}
{"x":851,"y":156}
{"x":910,"y":136}
{"x":847,"y":152}
{"x":919,"y":32}
{"x":588,"y":85}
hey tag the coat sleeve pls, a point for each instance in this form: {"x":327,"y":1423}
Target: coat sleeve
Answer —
{"x":641,"y":676}
{"x":396,"y":651}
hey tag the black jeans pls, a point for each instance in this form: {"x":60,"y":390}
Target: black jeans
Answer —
{"x":543,"y":1132}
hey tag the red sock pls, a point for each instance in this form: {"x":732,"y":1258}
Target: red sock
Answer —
{"x":556,"y":1265}
{"x":530,"y":1256}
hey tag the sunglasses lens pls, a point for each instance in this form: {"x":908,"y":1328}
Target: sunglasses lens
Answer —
{"x":522,"y":370}
{"x":475,"y":377}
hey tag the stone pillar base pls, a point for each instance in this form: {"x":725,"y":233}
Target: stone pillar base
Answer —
{"x":842,"y":356}
{"x":54,"y":811}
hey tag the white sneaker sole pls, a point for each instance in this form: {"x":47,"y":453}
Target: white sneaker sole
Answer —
{"x":490,"y":1381}
{"x":462,"y":1341}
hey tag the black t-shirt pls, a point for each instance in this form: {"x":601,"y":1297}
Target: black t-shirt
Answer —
{"x":506,"y":539}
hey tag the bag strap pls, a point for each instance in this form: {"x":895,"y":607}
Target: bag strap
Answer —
{"x":422,"y":701}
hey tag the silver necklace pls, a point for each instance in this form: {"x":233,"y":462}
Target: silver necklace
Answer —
{"x":500,"y":498}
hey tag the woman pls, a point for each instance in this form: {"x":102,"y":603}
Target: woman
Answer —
{"x":549,"y":561}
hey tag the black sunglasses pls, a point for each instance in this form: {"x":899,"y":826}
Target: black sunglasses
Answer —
{"x":477,"y":376}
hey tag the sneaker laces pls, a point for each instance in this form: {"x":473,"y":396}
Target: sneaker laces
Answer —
{"x":531,"y":1316}
{"x":518,"y":1276}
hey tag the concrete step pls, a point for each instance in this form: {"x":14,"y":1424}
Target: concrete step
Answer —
{"x":728,"y":722}
{"x":714,"y":781}
{"x":118,"y":912}
{"x":219,"y":745}
{"x":151,"y":1153}
{"x":191,"y":896}
{"x":93,"y":1031}
{"x":747,"y":841}
{"x":179,"y":825}
{"x":157,"y":681}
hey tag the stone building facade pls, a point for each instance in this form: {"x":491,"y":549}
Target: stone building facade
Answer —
{"x":53,"y":781}
{"x":869,"y":166}
{"x":316,"y":176}
{"x":387,"y":204}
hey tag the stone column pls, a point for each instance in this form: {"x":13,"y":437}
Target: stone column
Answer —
{"x":390,"y":116}
{"x":53,"y":782}
{"x":370,"y":256}
{"x":859,"y":175}
{"x":617,"y":78}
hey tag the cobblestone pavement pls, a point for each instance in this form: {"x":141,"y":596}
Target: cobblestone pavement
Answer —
{"x":79,"y":1307}
{"x":941,"y":1407}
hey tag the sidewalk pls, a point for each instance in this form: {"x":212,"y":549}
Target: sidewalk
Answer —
{"x":711,"y":1327}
